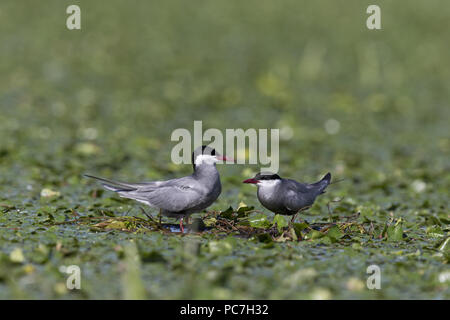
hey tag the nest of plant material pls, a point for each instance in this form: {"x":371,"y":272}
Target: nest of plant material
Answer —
{"x":243,"y":222}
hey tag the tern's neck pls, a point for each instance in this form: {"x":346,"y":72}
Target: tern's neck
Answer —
{"x":206,"y":171}
{"x":268,"y":186}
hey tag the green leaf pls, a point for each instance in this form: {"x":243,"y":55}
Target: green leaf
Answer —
{"x":327,"y":240}
{"x":243,"y":211}
{"x":17,"y":256}
{"x":293,"y":234}
{"x":280,"y":222}
{"x":334,"y":233}
{"x":299,"y":227}
{"x":259,"y":221}
{"x":210,"y":222}
{"x":395,"y":232}
{"x":114,"y":224}
{"x":314,"y":234}
{"x":227,"y":214}
{"x":49,"y":193}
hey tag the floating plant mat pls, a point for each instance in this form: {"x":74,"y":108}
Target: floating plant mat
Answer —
{"x":245,"y":222}
{"x":105,"y":107}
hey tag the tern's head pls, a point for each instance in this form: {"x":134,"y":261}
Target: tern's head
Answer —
{"x":207,"y":155}
{"x":264,"y":179}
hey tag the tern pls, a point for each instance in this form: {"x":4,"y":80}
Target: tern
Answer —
{"x":287,"y":196}
{"x":180,"y":197}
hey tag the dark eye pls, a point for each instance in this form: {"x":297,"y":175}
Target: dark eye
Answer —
{"x":208,"y":151}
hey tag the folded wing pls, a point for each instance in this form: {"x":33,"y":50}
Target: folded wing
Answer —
{"x":174,"y":195}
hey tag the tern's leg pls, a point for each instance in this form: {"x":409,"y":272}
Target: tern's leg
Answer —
{"x":295,"y":215}
{"x":292,"y":219}
{"x":181,"y":225}
{"x":160,"y":215}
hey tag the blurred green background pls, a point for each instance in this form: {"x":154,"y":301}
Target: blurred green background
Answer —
{"x":370,"y":106}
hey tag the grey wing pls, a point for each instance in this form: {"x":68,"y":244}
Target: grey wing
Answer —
{"x":291,"y":201}
{"x":296,"y":186}
{"x":172,"y":195}
{"x":169,"y":196}
{"x":295,"y":195}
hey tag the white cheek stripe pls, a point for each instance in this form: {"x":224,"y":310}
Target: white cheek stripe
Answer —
{"x":204,"y":158}
{"x":268,"y":183}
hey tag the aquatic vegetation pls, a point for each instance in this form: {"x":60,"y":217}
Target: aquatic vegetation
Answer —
{"x":370,"y":107}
